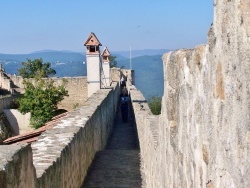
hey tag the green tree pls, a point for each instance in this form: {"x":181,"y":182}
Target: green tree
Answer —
{"x":113,"y":62}
{"x":41,"y":99}
{"x":155,"y":105}
{"x":36,"y":68}
{"x":41,"y":95}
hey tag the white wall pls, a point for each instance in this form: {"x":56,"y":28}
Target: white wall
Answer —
{"x":20,"y":123}
{"x":93,"y":73}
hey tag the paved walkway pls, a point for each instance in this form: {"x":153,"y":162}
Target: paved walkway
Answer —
{"x":119,"y":165}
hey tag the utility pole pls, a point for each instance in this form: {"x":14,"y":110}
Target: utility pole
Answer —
{"x":130,"y":58}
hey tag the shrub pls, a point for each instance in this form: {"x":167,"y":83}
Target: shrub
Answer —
{"x":155,"y":105}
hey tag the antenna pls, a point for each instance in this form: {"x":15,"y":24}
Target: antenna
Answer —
{"x":130,"y":58}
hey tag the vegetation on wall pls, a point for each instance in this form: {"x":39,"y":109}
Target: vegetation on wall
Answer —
{"x":113,"y":62}
{"x":41,"y":95}
{"x":155,"y":105}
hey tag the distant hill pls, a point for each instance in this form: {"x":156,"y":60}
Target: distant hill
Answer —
{"x":65,"y":63}
{"x":148,"y":74}
{"x":148,"y":68}
{"x":137,"y":53}
{"x":45,"y":55}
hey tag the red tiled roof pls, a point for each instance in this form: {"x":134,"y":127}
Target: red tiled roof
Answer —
{"x":32,"y":136}
{"x":92,"y":40}
{"x":105,"y":52}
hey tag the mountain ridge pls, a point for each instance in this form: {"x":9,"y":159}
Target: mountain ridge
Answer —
{"x":148,"y":68}
{"x":134,"y":53}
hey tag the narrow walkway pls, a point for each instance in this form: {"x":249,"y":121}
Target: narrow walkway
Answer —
{"x":118,"y":165}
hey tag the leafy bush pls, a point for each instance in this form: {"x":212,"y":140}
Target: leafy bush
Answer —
{"x":155,"y":105}
{"x":41,"y":99}
{"x":41,"y":95}
{"x":113,"y":62}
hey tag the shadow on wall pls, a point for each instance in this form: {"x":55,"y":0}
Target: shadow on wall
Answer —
{"x":140,"y":101}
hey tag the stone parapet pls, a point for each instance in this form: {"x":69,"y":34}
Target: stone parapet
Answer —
{"x":202,"y":139}
{"x":148,"y":133}
{"x":16,"y":167}
{"x":66,"y":151}
{"x":62,"y":155}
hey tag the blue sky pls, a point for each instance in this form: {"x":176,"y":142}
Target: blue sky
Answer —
{"x":31,"y":25}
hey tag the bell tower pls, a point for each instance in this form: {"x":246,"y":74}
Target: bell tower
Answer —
{"x":105,"y":74}
{"x":93,"y":63}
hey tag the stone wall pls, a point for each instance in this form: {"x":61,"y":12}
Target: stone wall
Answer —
{"x":14,"y":81}
{"x":5,"y":102}
{"x":203,"y":135}
{"x":5,"y":129}
{"x":117,"y":73}
{"x":76,"y":87}
{"x":4,"y":81}
{"x":77,"y":91}
{"x":62,"y":155}
{"x":16,"y":167}
{"x":129,"y":75}
{"x":147,"y":128}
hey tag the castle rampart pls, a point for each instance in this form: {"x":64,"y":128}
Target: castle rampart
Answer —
{"x":201,"y":138}
{"x":203,"y":135}
{"x":62,"y":155}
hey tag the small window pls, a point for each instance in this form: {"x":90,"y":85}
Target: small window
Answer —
{"x":92,"y":49}
{"x":105,"y":58}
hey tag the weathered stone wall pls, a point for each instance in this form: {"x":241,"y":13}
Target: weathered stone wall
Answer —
{"x":186,"y":118}
{"x":16,"y":167}
{"x":73,"y":143}
{"x":17,"y":81}
{"x":6,"y":130}
{"x":5,"y":102}
{"x":115,"y":74}
{"x":147,"y":128}
{"x":129,"y":75}
{"x":77,"y":91}
{"x":62,"y":155}
{"x":4,"y":81}
{"x":203,"y":135}
{"x":76,"y":87}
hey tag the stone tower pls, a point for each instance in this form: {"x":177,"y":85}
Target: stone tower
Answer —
{"x":105,"y":71}
{"x":93,"y":63}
